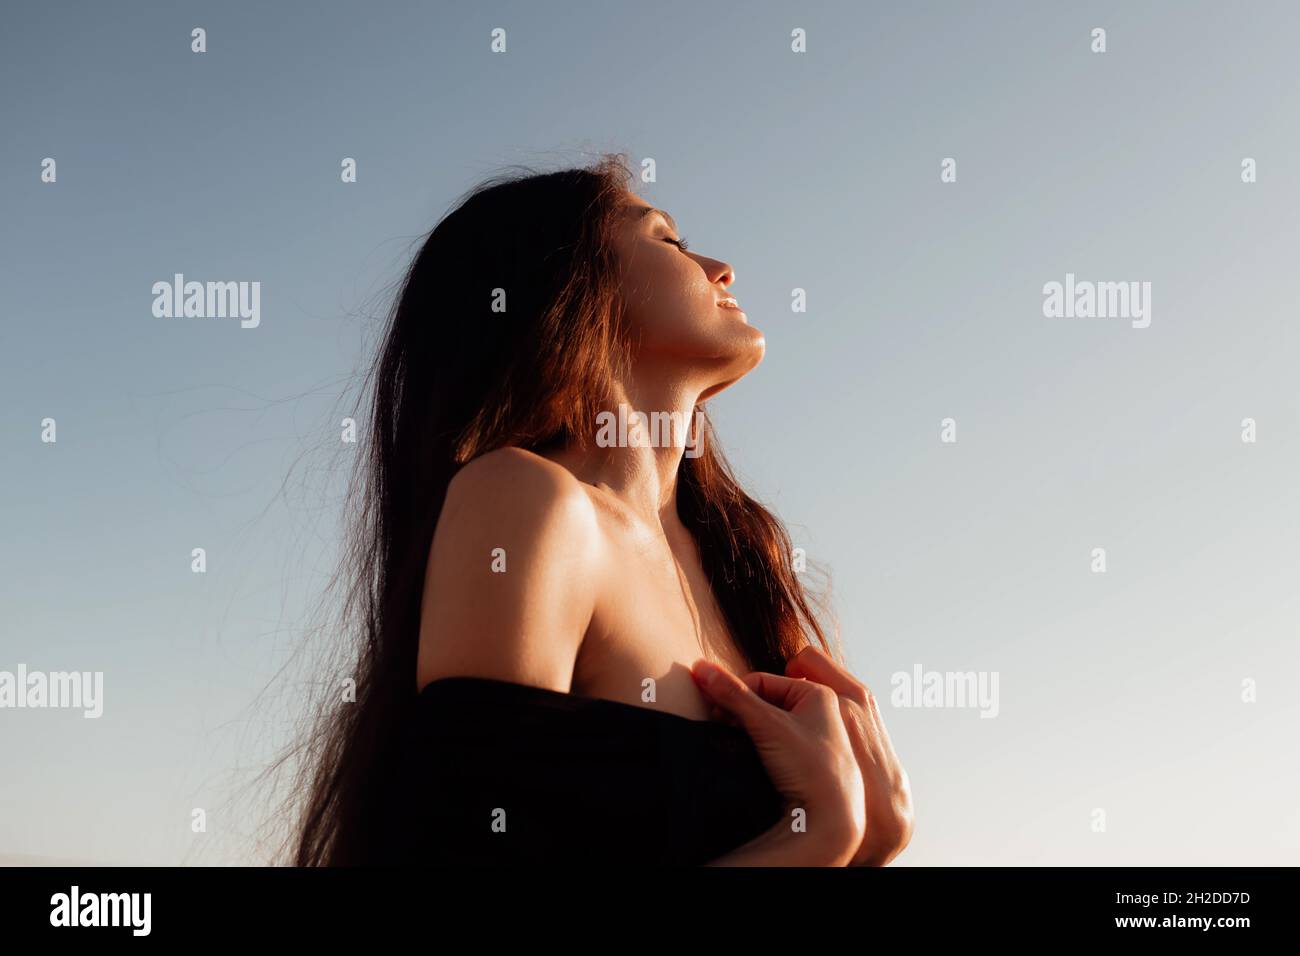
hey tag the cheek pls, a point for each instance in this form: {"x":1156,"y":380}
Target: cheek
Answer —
{"x":673,"y":295}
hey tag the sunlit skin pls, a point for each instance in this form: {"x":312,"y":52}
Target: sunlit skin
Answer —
{"x":604,"y":585}
{"x":622,"y":501}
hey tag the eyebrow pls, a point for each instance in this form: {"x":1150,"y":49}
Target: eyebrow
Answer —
{"x":643,"y":211}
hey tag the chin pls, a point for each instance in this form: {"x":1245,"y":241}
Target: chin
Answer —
{"x":738,"y":363}
{"x":753,"y":348}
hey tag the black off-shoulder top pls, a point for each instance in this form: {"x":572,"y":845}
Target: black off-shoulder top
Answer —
{"x":494,"y":773}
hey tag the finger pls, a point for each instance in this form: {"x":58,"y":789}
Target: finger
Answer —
{"x":753,"y":699}
{"x":812,"y":663}
{"x":782,"y":692}
{"x":751,"y":679}
{"x":728,"y":693}
{"x":754,"y":681}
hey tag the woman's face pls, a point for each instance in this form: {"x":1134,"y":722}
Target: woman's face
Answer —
{"x":677,"y":304}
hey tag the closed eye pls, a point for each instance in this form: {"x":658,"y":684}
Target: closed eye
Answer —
{"x":679,"y":243}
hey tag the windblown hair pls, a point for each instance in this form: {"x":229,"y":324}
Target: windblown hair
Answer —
{"x":454,"y":380}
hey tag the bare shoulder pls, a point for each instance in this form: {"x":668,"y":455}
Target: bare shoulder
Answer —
{"x":525,"y":484}
{"x":513,"y":572}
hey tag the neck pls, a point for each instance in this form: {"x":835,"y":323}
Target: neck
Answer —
{"x":640,"y":470}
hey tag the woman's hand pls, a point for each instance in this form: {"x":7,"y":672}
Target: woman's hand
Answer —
{"x":888,"y":794}
{"x":797,"y":730}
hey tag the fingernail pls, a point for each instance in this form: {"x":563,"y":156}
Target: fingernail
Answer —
{"x":705,"y":673}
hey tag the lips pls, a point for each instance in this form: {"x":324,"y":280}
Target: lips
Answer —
{"x":731,"y":305}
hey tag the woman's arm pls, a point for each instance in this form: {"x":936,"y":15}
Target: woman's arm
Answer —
{"x":512,"y":573}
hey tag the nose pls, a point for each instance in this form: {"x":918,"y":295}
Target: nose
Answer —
{"x":721,"y":272}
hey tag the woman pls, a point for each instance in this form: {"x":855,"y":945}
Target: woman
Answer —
{"x":581,"y":639}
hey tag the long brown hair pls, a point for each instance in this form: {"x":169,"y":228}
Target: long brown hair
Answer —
{"x":455,"y":379}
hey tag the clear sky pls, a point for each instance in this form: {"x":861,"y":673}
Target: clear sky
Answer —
{"x":1120,"y":691}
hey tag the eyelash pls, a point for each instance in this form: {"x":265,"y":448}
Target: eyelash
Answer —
{"x":679,"y":243}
